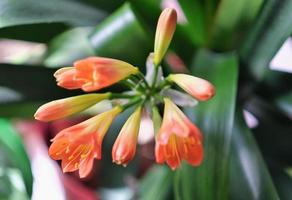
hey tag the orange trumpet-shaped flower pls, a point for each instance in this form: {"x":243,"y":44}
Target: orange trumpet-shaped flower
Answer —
{"x":77,"y":146}
{"x":94,"y":73}
{"x":164,"y":32}
{"x":124,"y":148}
{"x":197,"y":87}
{"x":65,"y":107}
{"x":178,"y":138}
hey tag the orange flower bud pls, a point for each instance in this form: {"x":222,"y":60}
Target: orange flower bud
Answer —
{"x":164,"y":32}
{"x":197,"y":87}
{"x":94,"y":73}
{"x":66,"y":78}
{"x":65,"y":107}
{"x":124,"y":148}
{"x":79,"y":145}
{"x":178,"y":138}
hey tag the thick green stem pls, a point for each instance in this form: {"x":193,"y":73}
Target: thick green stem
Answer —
{"x":155,"y":77}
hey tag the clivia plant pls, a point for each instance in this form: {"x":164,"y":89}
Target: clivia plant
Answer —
{"x":177,"y":138}
{"x":203,"y":76}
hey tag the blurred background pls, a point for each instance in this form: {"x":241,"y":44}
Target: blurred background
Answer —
{"x":244,"y":48}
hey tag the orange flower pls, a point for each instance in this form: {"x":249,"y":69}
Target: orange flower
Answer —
{"x":68,"y":106}
{"x":178,"y":138}
{"x":197,"y":87}
{"x":94,"y":73}
{"x":77,"y":146}
{"x":124,"y":148}
{"x":164,"y":32}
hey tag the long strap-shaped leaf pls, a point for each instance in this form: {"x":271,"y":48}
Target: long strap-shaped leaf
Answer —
{"x":249,"y":176}
{"x":230,"y":22}
{"x":29,"y":83}
{"x":122,"y":36}
{"x":32,"y":12}
{"x":272,"y":28}
{"x":215,"y":119}
{"x":156,"y":184}
{"x":194,"y":11}
{"x":18,"y":156}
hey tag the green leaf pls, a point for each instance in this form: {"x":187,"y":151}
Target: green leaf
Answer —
{"x":68,"y":47}
{"x":40,"y":21}
{"x":41,"y":32}
{"x":197,"y":28}
{"x":283,"y":181}
{"x":149,"y":10}
{"x":284,"y":102}
{"x":274,"y":84}
{"x":249,"y":176}
{"x":32,"y":12}
{"x":107,"y":5}
{"x":273,"y":132}
{"x":35,"y":85}
{"x":272,"y":27}
{"x":19,"y":109}
{"x":215,"y":119}
{"x":5,"y":183}
{"x":122,"y":36}
{"x":156,"y":184}
{"x":230,"y":21}
{"x":11,"y":141}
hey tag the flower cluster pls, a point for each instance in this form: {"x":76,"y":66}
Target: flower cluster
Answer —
{"x":177,"y":138}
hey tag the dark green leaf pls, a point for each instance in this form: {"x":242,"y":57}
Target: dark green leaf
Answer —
{"x":31,"y":12}
{"x":33,"y":32}
{"x":197,"y":28}
{"x":19,"y":109}
{"x":274,"y":84}
{"x":230,"y":22}
{"x":5,"y":183}
{"x":272,"y":27}
{"x":156,"y":184}
{"x":68,"y":47}
{"x":149,"y":10}
{"x":29,"y":83}
{"x":107,"y":5}
{"x":285,"y":103}
{"x":11,"y":141}
{"x":215,"y":119}
{"x":273,"y":132}
{"x":249,"y":176}
{"x":122,"y":36}
{"x":283,"y":182}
